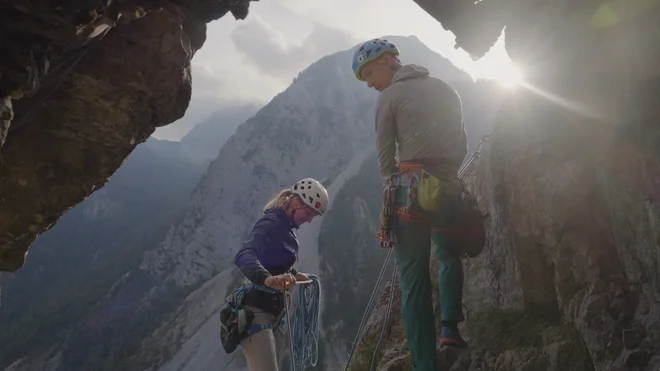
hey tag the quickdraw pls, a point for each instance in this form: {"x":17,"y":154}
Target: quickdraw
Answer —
{"x":386,"y":233}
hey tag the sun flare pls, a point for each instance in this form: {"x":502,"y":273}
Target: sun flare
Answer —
{"x":505,"y":73}
{"x":508,"y":77}
{"x":498,"y":67}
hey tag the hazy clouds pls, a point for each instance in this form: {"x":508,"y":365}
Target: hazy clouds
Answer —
{"x":268,"y":49}
{"x":254,"y":59}
{"x":251,"y":60}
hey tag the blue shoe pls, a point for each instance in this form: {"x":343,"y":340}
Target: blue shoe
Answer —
{"x":452,"y":337}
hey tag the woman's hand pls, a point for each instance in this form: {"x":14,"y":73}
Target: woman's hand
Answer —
{"x":281,"y":281}
{"x":302,"y":277}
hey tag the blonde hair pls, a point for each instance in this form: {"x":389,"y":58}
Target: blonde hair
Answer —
{"x":281,"y":201}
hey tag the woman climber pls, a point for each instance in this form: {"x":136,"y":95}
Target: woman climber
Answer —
{"x":256,"y":312}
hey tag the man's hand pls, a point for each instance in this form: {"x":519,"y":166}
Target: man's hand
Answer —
{"x":302,"y":277}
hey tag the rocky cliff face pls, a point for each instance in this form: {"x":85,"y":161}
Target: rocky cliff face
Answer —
{"x":204,"y":141}
{"x":105,"y":236}
{"x":569,"y":278}
{"x":81,"y":84}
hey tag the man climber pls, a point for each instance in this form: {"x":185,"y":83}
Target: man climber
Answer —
{"x":423,"y":116}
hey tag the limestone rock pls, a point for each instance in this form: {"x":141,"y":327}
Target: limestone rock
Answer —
{"x":81,"y":84}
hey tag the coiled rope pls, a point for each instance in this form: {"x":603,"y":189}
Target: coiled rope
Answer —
{"x":304,"y":330}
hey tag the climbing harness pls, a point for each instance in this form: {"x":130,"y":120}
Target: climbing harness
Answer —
{"x":304,"y":329}
{"x":236,"y":321}
{"x":368,"y":309}
{"x":408,"y":213}
{"x":424,"y":192}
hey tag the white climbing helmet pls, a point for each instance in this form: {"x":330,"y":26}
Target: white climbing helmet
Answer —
{"x":312,"y":193}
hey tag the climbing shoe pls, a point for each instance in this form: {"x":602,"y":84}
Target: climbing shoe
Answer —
{"x":452,"y":337}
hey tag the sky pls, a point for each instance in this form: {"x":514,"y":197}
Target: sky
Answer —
{"x":254,"y":59}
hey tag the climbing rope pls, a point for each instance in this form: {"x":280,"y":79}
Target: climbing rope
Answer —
{"x":367,"y":310}
{"x":304,"y":330}
{"x":476,"y":155}
{"x":387,"y":318}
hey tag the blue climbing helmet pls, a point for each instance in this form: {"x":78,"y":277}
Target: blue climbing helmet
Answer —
{"x":369,"y":51}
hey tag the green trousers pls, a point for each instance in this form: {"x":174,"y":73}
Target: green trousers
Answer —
{"x":412,"y":253}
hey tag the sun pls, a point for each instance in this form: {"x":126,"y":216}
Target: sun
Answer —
{"x":508,"y":76}
{"x":505,"y":73}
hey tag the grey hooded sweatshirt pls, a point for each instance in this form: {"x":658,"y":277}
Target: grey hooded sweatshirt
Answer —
{"x":424,"y":116}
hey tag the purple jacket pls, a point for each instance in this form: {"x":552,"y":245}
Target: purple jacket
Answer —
{"x":271,"y":248}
